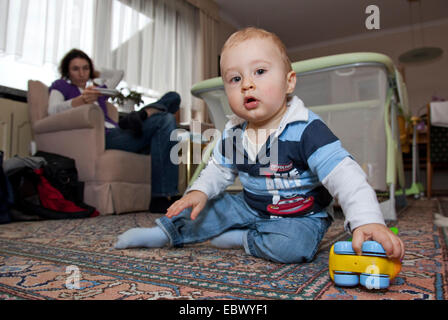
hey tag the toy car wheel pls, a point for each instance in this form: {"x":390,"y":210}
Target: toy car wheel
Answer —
{"x":373,"y":248}
{"x":346,"y":279}
{"x":374,"y":281}
{"x":343,"y":247}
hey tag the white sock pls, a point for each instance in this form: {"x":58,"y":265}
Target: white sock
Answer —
{"x":229,"y":239}
{"x":142,"y":237}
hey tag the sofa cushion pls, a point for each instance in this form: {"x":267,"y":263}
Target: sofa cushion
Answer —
{"x":117,"y":165}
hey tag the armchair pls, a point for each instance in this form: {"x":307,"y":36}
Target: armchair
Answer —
{"x":115,"y":181}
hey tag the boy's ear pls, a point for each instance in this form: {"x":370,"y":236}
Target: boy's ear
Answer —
{"x":291,"y":81}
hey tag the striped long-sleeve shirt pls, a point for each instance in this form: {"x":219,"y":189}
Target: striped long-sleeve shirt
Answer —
{"x":298,"y":171}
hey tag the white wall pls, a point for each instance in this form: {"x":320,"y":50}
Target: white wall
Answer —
{"x":423,"y":81}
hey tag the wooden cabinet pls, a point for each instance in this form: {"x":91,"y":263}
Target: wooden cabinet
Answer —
{"x":15,"y":128}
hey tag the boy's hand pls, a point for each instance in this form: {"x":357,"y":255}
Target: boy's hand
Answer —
{"x":391,"y":243}
{"x":195,"y":199}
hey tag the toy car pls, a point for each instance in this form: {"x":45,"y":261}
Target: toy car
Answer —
{"x":372,"y":269}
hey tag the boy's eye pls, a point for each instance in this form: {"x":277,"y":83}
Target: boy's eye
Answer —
{"x":235,"y":79}
{"x":260,"y":71}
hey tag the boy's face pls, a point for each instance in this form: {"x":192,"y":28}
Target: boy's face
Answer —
{"x":256,"y":80}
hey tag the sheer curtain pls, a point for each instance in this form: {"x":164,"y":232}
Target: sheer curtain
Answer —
{"x":35,"y":34}
{"x":156,"y":42}
{"x":40,"y":31}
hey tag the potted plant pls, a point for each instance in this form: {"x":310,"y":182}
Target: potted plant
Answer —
{"x":127,"y":99}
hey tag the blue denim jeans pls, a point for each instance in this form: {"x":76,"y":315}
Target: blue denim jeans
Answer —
{"x":284,"y":240}
{"x":155,"y":141}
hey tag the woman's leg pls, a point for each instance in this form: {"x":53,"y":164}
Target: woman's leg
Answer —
{"x":165,"y":173}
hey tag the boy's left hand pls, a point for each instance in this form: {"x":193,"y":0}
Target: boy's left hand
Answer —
{"x":391,"y":243}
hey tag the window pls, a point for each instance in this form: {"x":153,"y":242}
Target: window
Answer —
{"x":153,"y":41}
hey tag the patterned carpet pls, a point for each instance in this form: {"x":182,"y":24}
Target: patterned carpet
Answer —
{"x":40,"y":260}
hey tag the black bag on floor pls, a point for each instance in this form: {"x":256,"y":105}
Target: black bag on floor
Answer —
{"x":49,"y":192}
{"x":6,"y":196}
{"x":62,"y":174}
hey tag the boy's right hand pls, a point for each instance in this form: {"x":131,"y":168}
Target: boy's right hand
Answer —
{"x":194,"y":199}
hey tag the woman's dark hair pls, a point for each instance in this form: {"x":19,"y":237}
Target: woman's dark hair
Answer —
{"x":72,"y":54}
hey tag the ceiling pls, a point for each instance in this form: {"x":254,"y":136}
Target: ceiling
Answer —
{"x":302,"y":23}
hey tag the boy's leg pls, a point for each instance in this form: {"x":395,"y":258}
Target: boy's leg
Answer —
{"x":230,"y":239}
{"x":286,"y":240}
{"x":221,"y":214}
{"x":142,"y":237}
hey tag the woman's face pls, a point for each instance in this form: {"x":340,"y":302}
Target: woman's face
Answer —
{"x":79,"y":72}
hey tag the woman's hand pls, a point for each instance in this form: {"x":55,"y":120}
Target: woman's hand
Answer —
{"x":90,"y":95}
{"x":195,"y":199}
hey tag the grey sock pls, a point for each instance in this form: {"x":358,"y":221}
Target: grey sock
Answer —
{"x":229,"y":239}
{"x":142,"y":237}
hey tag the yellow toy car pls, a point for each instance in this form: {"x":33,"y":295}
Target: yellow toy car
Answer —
{"x":372,"y":269}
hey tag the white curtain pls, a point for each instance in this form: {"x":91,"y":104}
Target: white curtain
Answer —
{"x":154,"y":41}
{"x":40,"y":31}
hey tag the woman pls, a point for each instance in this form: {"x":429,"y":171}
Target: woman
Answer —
{"x":146,"y":131}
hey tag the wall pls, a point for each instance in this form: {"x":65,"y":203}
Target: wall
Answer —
{"x":423,"y":81}
{"x":15,"y":128}
{"x":225,"y":30}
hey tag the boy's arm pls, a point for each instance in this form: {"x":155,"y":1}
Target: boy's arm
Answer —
{"x":347,"y":182}
{"x":218,"y":174}
{"x":214,"y":179}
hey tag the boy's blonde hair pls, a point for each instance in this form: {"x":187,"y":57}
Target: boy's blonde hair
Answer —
{"x":253,"y":33}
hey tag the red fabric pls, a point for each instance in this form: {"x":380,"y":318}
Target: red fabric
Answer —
{"x":52,"y":198}
{"x":95,"y":214}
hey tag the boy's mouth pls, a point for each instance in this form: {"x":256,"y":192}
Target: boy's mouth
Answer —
{"x":250,"y":103}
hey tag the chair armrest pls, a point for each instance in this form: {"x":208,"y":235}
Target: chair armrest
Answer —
{"x":82,"y":117}
{"x":112,"y":111}
{"x":77,"y":133}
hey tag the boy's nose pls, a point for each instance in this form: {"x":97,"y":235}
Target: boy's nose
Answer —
{"x":248,"y":84}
